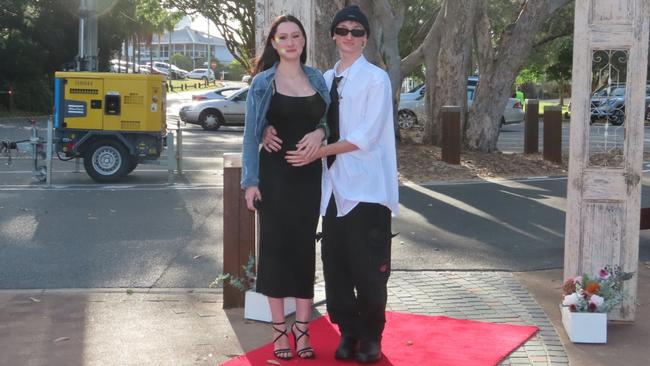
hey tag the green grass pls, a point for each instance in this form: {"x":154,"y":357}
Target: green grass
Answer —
{"x":192,"y":84}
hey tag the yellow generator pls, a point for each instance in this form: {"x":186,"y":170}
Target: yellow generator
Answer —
{"x":114,"y":121}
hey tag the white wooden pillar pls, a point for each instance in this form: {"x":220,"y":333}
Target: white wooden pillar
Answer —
{"x":606,"y":154}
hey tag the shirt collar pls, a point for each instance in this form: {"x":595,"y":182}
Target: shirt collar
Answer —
{"x":350,"y":71}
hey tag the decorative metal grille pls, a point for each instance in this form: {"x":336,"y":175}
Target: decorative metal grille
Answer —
{"x":607,"y":106}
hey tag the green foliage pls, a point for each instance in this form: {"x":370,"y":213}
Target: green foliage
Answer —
{"x":235,"y":21}
{"x":502,"y":13}
{"x":34,"y":94}
{"x":182,"y":61}
{"x":33,"y":39}
{"x":235,"y":71}
{"x":560,"y":68}
{"x":532,"y":74}
{"x":242,"y":284}
{"x":418,"y":19}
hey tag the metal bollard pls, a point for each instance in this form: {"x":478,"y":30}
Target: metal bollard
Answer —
{"x":49,"y":152}
{"x":238,"y":229}
{"x":450,"y":134}
{"x":553,"y":134}
{"x":179,"y":148}
{"x":531,"y":127}
{"x":171,"y":158}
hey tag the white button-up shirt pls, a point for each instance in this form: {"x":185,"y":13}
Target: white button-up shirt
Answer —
{"x":368,"y":174}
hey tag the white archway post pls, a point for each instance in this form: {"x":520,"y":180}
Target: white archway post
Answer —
{"x":604,"y":186}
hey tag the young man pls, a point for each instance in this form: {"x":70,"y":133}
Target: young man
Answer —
{"x":359,"y":191}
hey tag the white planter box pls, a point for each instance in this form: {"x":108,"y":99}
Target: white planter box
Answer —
{"x":585,"y":327}
{"x":256,"y":306}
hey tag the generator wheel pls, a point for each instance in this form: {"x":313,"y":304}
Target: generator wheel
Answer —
{"x":107,"y":161}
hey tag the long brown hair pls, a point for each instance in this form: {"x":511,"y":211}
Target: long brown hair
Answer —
{"x":270,"y":55}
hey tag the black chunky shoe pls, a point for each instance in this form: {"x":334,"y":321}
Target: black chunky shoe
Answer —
{"x":347,"y":348}
{"x":369,"y":351}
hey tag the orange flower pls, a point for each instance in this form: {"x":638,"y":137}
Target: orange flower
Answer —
{"x":593,"y":287}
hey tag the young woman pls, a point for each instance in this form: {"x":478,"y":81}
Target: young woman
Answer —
{"x":291,"y":100}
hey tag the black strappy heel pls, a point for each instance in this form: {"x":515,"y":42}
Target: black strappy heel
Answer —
{"x":308,"y":349}
{"x":282,"y":353}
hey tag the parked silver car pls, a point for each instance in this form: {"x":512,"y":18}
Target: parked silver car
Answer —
{"x":212,"y":114}
{"x":220,"y":93}
{"x":413,"y":111}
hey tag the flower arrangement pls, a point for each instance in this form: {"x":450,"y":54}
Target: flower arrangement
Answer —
{"x":597,"y":294}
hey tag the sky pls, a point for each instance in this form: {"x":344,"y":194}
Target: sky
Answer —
{"x":200,"y":23}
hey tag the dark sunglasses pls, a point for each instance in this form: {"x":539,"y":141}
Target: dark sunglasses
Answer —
{"x":355,"y":32}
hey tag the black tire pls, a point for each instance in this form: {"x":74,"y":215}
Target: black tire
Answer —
{"x":211,"y":120}
{"x":132,"y":165}
{"x":617,"y":118}
{"x":502,"y":122}
{"x":107,"y":161}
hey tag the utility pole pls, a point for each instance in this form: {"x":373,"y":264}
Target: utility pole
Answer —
{"x":87,"y":57}
{"x":209,"y":50}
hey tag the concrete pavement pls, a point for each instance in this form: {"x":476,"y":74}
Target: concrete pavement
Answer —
{"x":189,"y":327}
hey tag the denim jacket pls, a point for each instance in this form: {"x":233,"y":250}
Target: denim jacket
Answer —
{"x":257,"y":104}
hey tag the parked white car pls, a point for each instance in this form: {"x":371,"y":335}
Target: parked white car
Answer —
{"x":203,"y":74}
{"x":123,"y":66}
{"x":513,"y":113}
{"x":412,"y":110}
{"x":212,"y":114}
{"x":158,"y":67}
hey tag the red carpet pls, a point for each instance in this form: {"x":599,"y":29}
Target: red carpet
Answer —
{"x":413,"y":340}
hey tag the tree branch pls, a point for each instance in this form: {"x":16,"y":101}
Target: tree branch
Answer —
{"x":416,"y":58}
{"x":549,"y":39}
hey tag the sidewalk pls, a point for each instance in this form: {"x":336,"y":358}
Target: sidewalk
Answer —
{"x":189,"y":327}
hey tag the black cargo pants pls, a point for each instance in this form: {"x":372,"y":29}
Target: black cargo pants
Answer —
{"x":356,"y":264}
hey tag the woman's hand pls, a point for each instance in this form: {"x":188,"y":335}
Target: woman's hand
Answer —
{"x":251,"y":194}
{"x":270,"y":139}
{"x":299,"y":157}
{"x":310,"y":143}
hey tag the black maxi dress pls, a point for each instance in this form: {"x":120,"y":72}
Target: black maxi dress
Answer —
{"x":290,"y":205}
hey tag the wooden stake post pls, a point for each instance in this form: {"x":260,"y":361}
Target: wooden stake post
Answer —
{"x":238,"y":229}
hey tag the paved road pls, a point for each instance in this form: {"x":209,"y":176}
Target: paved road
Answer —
{"x":145,"y":233}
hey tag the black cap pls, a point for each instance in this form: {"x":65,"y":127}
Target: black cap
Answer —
{"x":351,"y":13}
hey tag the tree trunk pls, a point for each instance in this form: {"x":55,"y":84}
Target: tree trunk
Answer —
{"x":371,"y":51}
{"x":383,"y":45}
{"x":499,"y":68}
{"x":325,"y":54}
{"x":447,"y":72}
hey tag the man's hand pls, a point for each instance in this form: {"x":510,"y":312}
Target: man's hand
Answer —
{"x":251,"y":194}
{"x":270,"y":140}
{"x":310,"y":143}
